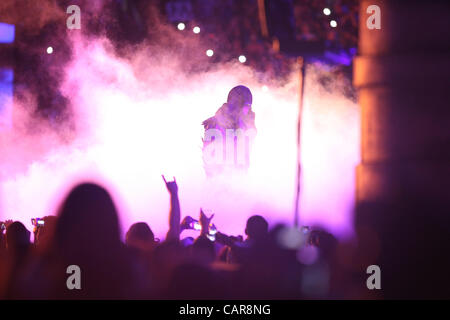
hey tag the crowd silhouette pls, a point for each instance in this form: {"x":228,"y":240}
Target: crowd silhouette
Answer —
{"x":268,"y":263}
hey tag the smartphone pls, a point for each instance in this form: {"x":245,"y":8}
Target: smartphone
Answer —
{"x":37,"y":222}
{"x":195,"y":225}
{"x":212,"y":229}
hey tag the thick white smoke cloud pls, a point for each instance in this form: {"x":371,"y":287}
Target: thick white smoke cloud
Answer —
{"x":138,"y":115}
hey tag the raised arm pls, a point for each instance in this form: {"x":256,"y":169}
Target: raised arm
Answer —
{"x":204,"y":222}
{"x":174,"y":215}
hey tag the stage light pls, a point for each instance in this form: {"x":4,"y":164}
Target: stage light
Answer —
{"x":7,"y":33}
{"x":209,"y":52}
{"x":196,"y":29}
{"x":49,"y":50}
{"x":333,"y":23}
{"x":326,"y":11}
{"x":242,"y":59}
{"x":181,"y":26}
{"x":265,"y":88}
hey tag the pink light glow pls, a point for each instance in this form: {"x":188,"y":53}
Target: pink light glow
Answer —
{"x":139,"y":116}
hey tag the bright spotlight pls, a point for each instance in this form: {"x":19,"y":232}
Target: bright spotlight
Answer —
{"x":49,"y":50}
{"x":326,"y":11}
{"x":209,"y":52}
{"x":181,"y":26}
{"x":265,"y":88}
{"x":242,"y":59}
{"x":333,"y":23}
{"x":196,"y":29}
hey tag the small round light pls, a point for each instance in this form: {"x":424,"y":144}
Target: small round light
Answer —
{"x":196,"y":29}
{"x":181,"y":26}
{"x":242,"y":59}
{"x":49,"y":50}
{"x":265,"y":88}
{"x":333,"y":23}
{"x":209,"y":52}
{"x":326,"y":11}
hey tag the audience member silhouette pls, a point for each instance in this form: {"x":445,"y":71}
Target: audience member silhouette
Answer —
{"x":86,"y":234}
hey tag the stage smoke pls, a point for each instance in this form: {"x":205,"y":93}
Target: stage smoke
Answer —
{"x":138,"y":114}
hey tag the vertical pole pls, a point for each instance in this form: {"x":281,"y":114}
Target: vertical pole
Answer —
{"x":262,"y":18}
{"x":301,"y":65}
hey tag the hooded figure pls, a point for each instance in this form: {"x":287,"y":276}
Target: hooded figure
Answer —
{"x":228,"y":133}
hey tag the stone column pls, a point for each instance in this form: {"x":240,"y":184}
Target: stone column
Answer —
{"x":402,"y":73}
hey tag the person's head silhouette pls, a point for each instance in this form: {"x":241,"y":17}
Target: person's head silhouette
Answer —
{"x":88,"y":223}
{"x":17,"y":236}
{"x":140,"y":236}
{"x":257,"y":227}
{"x":239,"y":97}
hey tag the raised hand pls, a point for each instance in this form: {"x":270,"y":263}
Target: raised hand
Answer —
{"x":205,"y":222}
{"x":172,"y":186}
{"x":174,"y":214}
{"x":186,"y":223}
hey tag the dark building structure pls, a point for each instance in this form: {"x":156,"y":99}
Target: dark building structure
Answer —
{"x":403,"y":182}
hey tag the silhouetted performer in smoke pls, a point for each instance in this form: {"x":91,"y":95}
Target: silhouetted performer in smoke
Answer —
{"x":228,"y":134}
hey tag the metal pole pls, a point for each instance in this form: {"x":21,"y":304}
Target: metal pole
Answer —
{"x":301,"y":64}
